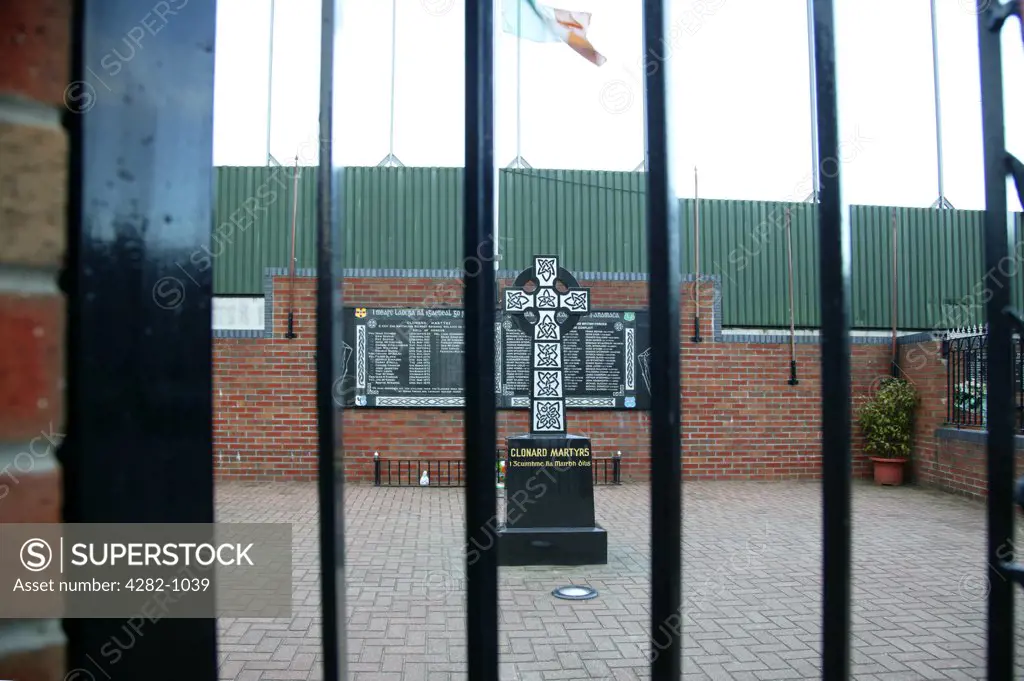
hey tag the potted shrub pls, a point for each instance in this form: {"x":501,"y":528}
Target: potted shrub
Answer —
{"x":887,"y":420}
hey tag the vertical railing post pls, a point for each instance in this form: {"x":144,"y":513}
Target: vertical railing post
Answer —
{"x":663,"y":294}
{"x":948,"y":355}
{"x":981,"y":415}
{"x":834,"y":255}
{"x":1018,"y":377}
{"x":139,"y":206}
{"x":478,"y":365}
{"x":329,"y":360}
{"x":1000,"y":656}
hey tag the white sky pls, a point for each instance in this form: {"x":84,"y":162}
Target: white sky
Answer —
{"x":740,"y":93}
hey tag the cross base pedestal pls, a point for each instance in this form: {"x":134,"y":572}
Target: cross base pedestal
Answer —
{"x":549,"y":503}
{"x":553,"y":546}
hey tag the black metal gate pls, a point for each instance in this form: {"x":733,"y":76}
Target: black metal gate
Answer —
{"x":140,"y":191}
{"x":1001,"y":320}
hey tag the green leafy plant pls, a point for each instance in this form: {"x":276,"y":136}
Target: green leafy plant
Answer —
{"x":887,"y":419}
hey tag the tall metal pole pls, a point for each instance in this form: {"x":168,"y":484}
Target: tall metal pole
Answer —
{"x":479,"y":300}
{"x":519,"y":108}
{"x":391,"y":161}
{"x":330,"y":332}
{"x":663,"y":293}
{"x":696,"y":222}
{"x":291,"y":262}
{"x":815,"y":191}
{"x":493,"y":65}
{"x":394,"y":31}
{"x":895,"y":292}
{"x":270,"y":81}
{"x":792,"y":315}
{"x":696,"y":238}
{"x":941,"y":201}
{"x":836,"y":426}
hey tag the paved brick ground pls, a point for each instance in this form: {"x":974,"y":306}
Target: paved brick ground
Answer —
{"x":751,"y":588}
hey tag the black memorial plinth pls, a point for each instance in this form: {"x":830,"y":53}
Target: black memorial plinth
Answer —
{"x":549,"y":503}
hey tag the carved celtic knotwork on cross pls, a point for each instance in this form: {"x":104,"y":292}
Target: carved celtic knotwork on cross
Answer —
{"x":546,"y":313}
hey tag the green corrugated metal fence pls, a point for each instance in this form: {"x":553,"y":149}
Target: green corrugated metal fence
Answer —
{"x":593,"y":220}
{"x":939,"y":256}
{"x":254,"y":217}
{"x":745,"y":243}
{"x":411,"y":218}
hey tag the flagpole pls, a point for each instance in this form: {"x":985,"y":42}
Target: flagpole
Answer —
{"x":496,"y":228}
{"x":270,"y":79}
{"x":391,"y":161}
{"x":814,"y":102}
{"x":394,"y":28}
{"x":941,"y":202}
{"x":519,"y":48}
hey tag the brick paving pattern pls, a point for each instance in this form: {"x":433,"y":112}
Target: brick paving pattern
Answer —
{"x":751,"y":593}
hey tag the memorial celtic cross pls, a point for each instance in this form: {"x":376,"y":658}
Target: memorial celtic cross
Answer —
{"x":546,"y":302}
{"x":558,"y":525}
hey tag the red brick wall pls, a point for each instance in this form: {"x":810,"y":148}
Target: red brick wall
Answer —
{"x":741,"y":420}
{"x":923,"y":365}
{"x":959,"y":466}
{"x":34,"y":66}
{"x":943,"y":458}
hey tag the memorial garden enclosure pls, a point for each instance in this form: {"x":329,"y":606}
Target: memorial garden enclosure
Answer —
{"x":741,"y":418}
{"x":734,"y":384}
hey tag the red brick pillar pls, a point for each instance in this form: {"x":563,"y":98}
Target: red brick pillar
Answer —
{"x":34,"y":67}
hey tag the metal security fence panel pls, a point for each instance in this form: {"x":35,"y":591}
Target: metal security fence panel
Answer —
{"x":593,"y":219}
{"x":938,"y":256}
{"x":409,"y":218}
{"x":252,"y":229}
{"x":745,"y":243}
{"x":403,"y":218}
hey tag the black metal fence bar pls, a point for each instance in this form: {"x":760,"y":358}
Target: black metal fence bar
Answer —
{"x":834,"y":263}
{"x":329,"y":333}
{"x":139,"y":202}
{"x":479,"y":297}
{"x":1018,"y":383}
{"x":663,"y":294}
{"x":1000,"y":414}
{"x":389,"y":472}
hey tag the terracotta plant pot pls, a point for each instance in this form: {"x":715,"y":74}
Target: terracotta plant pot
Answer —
{"x":888,"y":471}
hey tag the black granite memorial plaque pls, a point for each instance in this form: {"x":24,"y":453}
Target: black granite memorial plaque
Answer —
{"x":405,"y":357}
{"x":549,"y":483}
{"x":549,"y":503}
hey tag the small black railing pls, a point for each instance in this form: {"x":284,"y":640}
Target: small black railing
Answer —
{"x":450,"y":472}
{"x":967,"y":380}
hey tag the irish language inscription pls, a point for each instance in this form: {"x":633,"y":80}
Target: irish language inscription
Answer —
{"x":401,"y":357}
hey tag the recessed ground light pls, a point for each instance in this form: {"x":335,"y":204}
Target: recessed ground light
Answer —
{"x":574,"y":593}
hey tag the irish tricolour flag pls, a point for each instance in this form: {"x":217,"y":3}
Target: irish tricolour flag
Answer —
{"x":543,"y":24}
